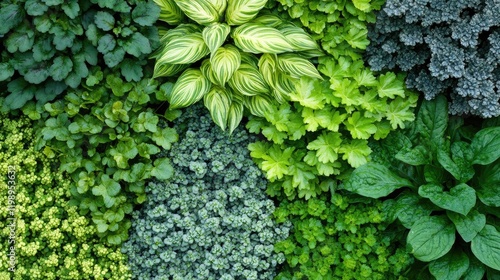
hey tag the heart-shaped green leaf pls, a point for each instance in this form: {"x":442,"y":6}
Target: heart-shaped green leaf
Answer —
{"x":460,"y":198}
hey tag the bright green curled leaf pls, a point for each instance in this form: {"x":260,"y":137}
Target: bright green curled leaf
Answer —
{"x":224,"y":63}
{"x":257,"y":38}
{"x":215,"y":35}
{"x":460,"y":198}
{"x":374,"y":180}
{"x":431,"y":238}
{"x":241,"y":11}
{"x":201,"y":11}
{"x":486,"y":247}
{"x":218,"y":102}
{"x":326,"y":146}
{"x":186,"y":49}
{"x":486,"y":146}
{"x":451,"y":266}
{"x":189,"y":89}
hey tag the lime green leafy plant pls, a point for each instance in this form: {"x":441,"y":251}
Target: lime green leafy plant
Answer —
{"x":106,"y":138}
{"x":248,"y":60}
{"x":50,"y":239}
{"x":443,"y":182}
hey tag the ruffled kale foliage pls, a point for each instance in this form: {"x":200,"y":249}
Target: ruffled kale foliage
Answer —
{"x":324,"y":130}
{"x":238,"y":56}
{"x":212,"y":219}
{"x":106,"y":137}
{"x":443,"y":182}
{"x":340,"y":237}
{"x":49,"y":46}
{"x":50,"y":239}
{"x":447,"y":47}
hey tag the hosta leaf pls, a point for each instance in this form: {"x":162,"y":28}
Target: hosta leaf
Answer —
{"x":486,"y":247}
{"x":486,"y":146}
{"x":206,"y":70}
{"x":297,"y":66}
{"x":374,"y":180}
{"x":256,"y":38}
{"x":168,"y":70}
{"x":268,"y":20}
{"x":189,"y":88}
{"x":432,"y":121}
{"x":201,"y":11}
{"x":218,"y":102}
{"x":268,"y":67}
{"x":259,"y":105}
{"x":183,"y":50}
{"x":488,"y":187}
{"x":170,"y":12}
{"x":224,"y":62}
{"x":460,"y":198}
{"x":235,"y":114}
{"x":241,"y":11}
{"x":299,"y":39}
{"x":247,"y":80}
{"x":468,"y":226}
{"x":451,"y":266}
{"x":179,"y":31}
{"x":215,"y":35}
{"x":431,"y":238}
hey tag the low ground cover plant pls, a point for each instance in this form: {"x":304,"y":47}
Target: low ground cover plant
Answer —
{"x":212,"y":218}
{"x":50,"y":239}
{"x":441,"y":182}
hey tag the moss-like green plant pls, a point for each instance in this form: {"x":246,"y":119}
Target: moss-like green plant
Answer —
{"x":50,"y":240}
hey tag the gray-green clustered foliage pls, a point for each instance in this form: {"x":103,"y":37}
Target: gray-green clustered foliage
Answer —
{"x":212,"y":219}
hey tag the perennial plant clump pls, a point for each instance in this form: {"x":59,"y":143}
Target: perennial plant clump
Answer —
{"x":51,"y":239}
{"x":212,"y":219}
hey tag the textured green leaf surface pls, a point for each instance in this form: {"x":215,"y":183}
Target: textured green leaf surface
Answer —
{"x":468,"y":226}
{"x":431,"y":238}
{"x":451,"y":266}
{"x":460,"y":198}
{"x":486,"y":247}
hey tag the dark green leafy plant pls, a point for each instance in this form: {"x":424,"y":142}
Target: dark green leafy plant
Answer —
{"x":444,"y":183}
{"x":106,"y":138}
{"x":340,"y":237}
{"x":49,"y":46}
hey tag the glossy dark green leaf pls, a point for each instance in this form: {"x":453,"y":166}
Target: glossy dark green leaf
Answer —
{"x":468,"y":226}
{"x":486,"y":146}
{"x":104,"y":20}
{"x":488,"y":187}
{"x":460,"y":198}
{"x":145,"y":13}
{"x":415,"y":156}
{"x":60,"y":68}
{"x":10,"y":16}
{"x":486,"y":247}
{"x":431,"y":238}
{"x":451,"y":266}
{"x":432,"y":120}
{"x":106,"y":44}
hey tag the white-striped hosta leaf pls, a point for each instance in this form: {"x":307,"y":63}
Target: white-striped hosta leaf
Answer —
{"x":184,"y":50}
{"x":298,"y":38}
{"x":168,"y":70}
{"x":311,"y":53}
{"x":283,"y":86}
{"x":257,"y":38}
{"x":179,"y":31}
{"x":201,"y":11}
{"x":235,"y":113}
{"x":249,"y":58}
{"x":215,"y":35}
{"x":218,"y":102}
{"x":242,"y":11}
{"x":297,"y":66}
{"x":224,"y":62}
{"x":220,"y":6}
{"x":268,"y":20}
{"x":206,"y":70}
{"x":190,"y":87}
{"x":247,"y":80}
{"x":170,"y":12}
{"x":258,"y":105}
{"x":268,"y":67}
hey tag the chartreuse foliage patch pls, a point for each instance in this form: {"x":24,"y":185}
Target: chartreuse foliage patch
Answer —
{"x":106,"y":138}
{"x":51,"y":46}
{"x":340,"y":237}
{"x":51,"y":239}
{"x":231,"y":56}
{"x":443,"y":178}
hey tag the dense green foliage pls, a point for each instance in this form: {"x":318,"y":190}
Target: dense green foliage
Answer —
{"x":324,"y":131}
{"x":238,"y":58}
{"x":212,"y":219}
{"x":51,"y":240}
{"x":52,"y":45}
{"x":444,"y":181}
{"x":106,"y":138}
{"x":447,"y":47}
{"x":340,"y":238}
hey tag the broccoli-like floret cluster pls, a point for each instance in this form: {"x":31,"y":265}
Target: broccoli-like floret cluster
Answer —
{"x":448,"y":47}
{"x":42,"y":235}
{"x":212,"y":219}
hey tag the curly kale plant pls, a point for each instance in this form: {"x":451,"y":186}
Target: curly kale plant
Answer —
{"x":50,"y":45}
{"x":50,"y":239}
{"x":340,"y":237}
{"x":246,"y":59}
{"x":212,"y":219}
{"x":444,"y":186}
{"x":448,"y":47}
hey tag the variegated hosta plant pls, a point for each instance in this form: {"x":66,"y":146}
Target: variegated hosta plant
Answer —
{"x":231,"y":56}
